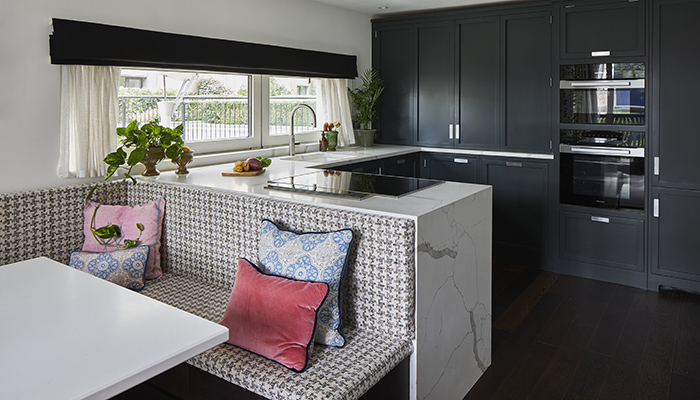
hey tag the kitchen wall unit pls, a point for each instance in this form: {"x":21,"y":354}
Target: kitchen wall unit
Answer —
{"x":481,"y":80}
{"x":675,"y":194}
{"x":393,"y":50}
{"x":602,"y":28}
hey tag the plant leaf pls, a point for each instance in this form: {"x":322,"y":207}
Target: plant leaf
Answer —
{"x":173,"y":151}
{"x":129,"y":243}
{"x":139,"y":226}
{"x":115,"y":158}
{"x":111,"y":170}
{"x":107,"y":232}
{"x":136,"y":156}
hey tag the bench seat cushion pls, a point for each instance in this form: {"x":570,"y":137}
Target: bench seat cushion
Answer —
{"x":332,"y":373}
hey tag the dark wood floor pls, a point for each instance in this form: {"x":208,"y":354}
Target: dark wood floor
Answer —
{"x":561,"y":337}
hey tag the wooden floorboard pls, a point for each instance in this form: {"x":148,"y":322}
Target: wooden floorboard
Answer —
{"x":563,"y":337}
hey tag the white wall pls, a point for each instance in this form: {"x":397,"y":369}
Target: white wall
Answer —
{"x":29,"y":102}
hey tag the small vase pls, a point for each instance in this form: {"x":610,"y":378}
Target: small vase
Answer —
{"x":332,"y":137}
{"x":365,"y":137}
{"x":182,"y":161}
{"x":153,"y":156}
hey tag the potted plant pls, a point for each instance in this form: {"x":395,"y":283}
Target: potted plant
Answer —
{"x":363,"y":101}
{"x":148,"y":144}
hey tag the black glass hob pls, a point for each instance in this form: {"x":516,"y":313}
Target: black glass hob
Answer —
{"x":353,"y":185}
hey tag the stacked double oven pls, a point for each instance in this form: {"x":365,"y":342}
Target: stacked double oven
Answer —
{"x":602,"y":135}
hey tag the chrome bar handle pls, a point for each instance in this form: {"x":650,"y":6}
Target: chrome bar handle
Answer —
{"x":457,"y":131}
{"x":452,"y":130}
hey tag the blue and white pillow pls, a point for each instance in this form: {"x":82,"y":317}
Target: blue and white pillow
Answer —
{"x":124,"y":267}
{"x":315,"y":257}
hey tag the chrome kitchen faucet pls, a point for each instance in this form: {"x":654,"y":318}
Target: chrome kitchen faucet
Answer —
{"x":292,"y":149}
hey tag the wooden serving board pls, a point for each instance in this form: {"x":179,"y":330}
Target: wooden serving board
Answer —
{"x":231,"y":172}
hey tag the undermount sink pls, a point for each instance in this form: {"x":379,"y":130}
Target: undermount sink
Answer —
{"x":318,"y":157}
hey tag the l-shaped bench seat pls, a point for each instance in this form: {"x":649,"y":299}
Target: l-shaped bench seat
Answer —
{"x":204,"y":233}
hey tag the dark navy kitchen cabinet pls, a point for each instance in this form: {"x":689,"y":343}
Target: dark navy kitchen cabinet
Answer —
{"x":479,"y":82}
{"x":527,"y":73}
{"x":451,"y":167}
{"x":404,"y":165}
{"x":602,"y":29}
{"x":675,"y":231}
{"x":520,"y":208}
{"x":676,"y":44}
{"x":435,"y":84}
{"x":393,"y":57}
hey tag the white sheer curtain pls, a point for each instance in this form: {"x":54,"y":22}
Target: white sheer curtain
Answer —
{"x":88,"y":119}
{"x":333,"y":105}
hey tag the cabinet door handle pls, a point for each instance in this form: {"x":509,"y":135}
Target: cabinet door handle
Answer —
{"x":457,"y":131}
{"x":401,"y":161}
{"x":656,"y":166}
{"x":514,"y":164}
{"x":605,"y":53}
{"x":452,"y":130}
{"x":656,"y":208}
{"x":461,"y":160}
{"x":604,"y":220}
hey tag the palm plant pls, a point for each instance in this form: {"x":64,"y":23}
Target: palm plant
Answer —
{"x":364,"y":99}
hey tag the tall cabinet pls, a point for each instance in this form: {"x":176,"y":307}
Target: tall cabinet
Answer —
{"x":675,"y":221}
{"x":481,"y":80}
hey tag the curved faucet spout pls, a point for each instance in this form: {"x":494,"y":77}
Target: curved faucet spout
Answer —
{"x":292,"y":149}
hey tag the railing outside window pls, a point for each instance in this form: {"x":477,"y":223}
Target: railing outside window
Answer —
{"x":218,"y":118}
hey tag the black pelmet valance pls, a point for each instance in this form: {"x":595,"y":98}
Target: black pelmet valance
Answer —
{"x":86,"y":43}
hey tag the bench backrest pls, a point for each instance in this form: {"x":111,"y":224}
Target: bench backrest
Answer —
{"x":205,"y":231}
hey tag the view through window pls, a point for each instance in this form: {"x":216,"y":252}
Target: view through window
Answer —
{"x":217,"y":107}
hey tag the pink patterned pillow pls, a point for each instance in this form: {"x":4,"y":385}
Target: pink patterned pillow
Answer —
{"x":273,"y":316}
{"x":125,"y":217}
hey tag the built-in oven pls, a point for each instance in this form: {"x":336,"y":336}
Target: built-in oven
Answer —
{"x":605,"y":93}
{"x":602,"y":169}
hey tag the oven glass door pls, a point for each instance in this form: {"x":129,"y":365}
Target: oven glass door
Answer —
{"x":602,"y":181}
{"x":602,"y":105}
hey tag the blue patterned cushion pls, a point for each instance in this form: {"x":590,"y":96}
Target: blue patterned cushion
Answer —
{"x":316,"y":257}
{"x":123,"y":267}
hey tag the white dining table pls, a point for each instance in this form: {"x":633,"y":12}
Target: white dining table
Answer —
{"x":65,"y":334}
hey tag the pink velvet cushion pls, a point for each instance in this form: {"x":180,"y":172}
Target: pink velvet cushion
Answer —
{"x":125,"y":217}
{"x":273,"y":316}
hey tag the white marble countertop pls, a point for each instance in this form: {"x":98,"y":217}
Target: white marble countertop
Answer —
{"x":411,"y":205}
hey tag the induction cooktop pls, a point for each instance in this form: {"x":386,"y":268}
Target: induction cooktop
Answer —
{"x":353,"y":185}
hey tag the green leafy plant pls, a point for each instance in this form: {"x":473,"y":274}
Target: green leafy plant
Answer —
{"x":138,"y":141}
{"x":364,"y":99}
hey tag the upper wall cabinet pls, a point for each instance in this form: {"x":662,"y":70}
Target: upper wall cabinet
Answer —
{"x":393,"y":55}
{"x":606,"y":28}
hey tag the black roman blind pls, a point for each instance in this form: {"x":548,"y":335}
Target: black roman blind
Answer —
{"x":87,"y":43}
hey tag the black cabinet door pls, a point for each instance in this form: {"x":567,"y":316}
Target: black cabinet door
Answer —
{"x":479,"y":83}
{"x":675,"y":229}
{"x":393,"y":57}
{"x":614,"y":28}
{"x":520,"y":207}
{"x":527,"y":76}
{"x":676,"y":138}
{"x":436,"y":83}
{"x":452,"y":167}
{"x":404,"y":165}
{"x":601,"y":239}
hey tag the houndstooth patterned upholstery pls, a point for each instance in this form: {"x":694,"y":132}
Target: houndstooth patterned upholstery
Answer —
{"x":205,"y":231}
{"x":333,"y":373}
{"x":46,"y":223}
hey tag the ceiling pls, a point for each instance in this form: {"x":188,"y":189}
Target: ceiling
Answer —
{"x":372,"y":7}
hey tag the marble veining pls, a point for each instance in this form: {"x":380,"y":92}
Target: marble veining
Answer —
{"x":453,"y":297}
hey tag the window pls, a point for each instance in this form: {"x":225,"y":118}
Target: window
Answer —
{"x":222,"y":112}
